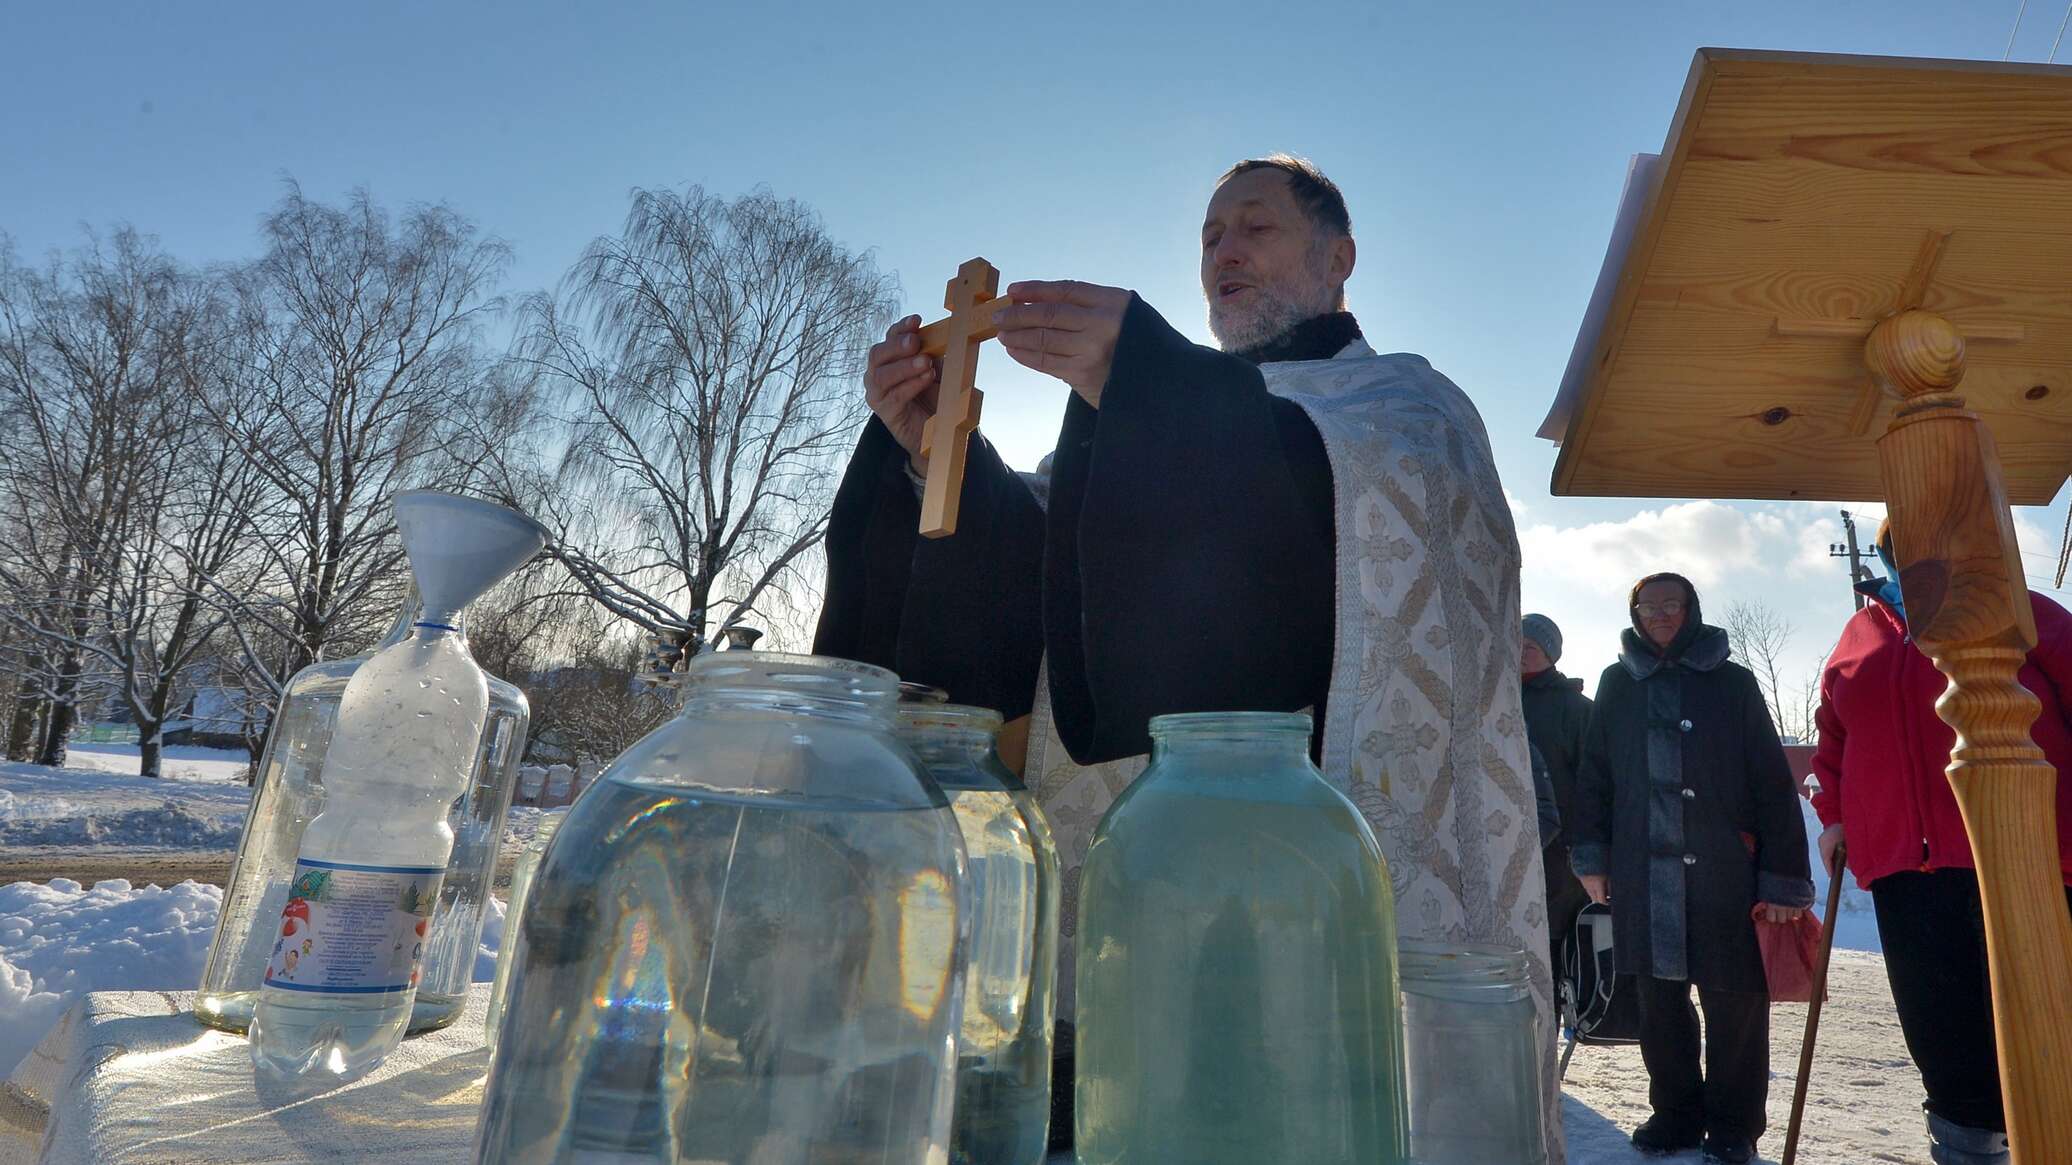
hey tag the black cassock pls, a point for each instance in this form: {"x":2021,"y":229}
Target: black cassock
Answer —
{"x":1184,"y":562}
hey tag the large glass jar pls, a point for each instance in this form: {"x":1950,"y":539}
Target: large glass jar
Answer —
{"x":1237,"y":996}
{"x":745,"y":942}
{"x":1003,"y":1050}
{"x":522,"y":873}
{"x":1474,"y":1051}
{"x":290,"y":792}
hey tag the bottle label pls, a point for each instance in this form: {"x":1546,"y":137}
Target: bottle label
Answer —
{"x":355,"y":930}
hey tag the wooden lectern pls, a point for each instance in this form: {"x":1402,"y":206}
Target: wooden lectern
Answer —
{"x":1850,"y":278}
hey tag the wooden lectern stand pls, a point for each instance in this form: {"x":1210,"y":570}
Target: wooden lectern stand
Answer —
{"x":1850,"y":278}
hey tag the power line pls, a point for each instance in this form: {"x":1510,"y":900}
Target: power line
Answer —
{"x":2054,"y":56}
{"x":2017,"y":28}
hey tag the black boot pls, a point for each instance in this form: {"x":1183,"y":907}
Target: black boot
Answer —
{"x":1729,"y":1149}
{"x":1661,"y":1136}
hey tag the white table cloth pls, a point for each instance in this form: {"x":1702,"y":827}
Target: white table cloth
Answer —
{"x":129,"y":1078}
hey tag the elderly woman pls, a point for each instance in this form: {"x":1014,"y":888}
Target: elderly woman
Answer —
{"x":1687,"y":818}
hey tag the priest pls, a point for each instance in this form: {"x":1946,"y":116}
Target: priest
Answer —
{"x":1290,"y":522}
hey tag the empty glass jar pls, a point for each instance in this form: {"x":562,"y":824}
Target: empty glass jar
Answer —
{"x":746,"y":942}
{"x":290,"y":791}
{"x":1003,"y":1050}
{"x":1237,"y":997}
{"x":522,"y":872}
{"x":1474,"y":1054}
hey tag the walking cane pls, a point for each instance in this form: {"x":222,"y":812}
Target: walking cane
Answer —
{"x":1827,"y":950}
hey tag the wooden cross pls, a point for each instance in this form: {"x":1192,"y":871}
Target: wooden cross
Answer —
{"x":972,"y":300}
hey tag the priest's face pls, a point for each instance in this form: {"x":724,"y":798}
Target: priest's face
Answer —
{"x":1265,"y":266}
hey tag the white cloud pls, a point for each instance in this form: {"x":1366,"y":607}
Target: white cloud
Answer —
{"x":1712,"y":543}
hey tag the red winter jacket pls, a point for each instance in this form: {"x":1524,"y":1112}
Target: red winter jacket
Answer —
{"x":1883,"y":749}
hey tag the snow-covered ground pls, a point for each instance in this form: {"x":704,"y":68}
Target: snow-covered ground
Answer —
{"x":178,"y":762}
{"x":79,"y":806}
{"x":1863,"y":1105}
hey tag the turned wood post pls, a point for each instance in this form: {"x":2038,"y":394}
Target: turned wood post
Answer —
{"x":1968,"y":607}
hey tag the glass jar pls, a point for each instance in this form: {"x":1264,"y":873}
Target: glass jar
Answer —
{"x":745,"y":942}
{"x":1003,"y":1049}
{"x":522,"y":873}
{"x":1237,"y":997}
{"x":1473,"y":1052}
{"x":289,"y":792}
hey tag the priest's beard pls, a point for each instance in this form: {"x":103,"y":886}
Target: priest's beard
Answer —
{"x":1276,"y":306}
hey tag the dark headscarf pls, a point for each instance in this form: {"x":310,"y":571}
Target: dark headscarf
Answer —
{"x":1693,"y":624}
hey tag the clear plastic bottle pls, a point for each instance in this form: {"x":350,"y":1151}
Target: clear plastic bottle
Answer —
{"x":1237,"y":994}
{"x":1473,"y":1052}
{"x":522,"y":873}
{"x":346,"y":965}
{"x":290,"y":792}
{"x":745,"y":943}
{"x":1003,"y":1050}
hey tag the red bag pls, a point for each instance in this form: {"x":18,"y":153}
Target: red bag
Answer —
{"x":1791,"y":955}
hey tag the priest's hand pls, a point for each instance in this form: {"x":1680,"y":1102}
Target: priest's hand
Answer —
{"x":1781,"y":914}
{"x":1065,"y":329}
{"x":1597,"y":886}
{"x":899,"y":384}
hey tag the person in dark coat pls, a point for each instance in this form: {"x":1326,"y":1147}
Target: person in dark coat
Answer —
{"x":1686,"y":817}
{"x":1557,"y":717}
{"x":1881,"y":761}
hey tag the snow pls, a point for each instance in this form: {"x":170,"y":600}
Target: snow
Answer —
{"x":73,"y":807}
{"x":176,"y":762}
{"x":170,"y":824}
{"x":59,"y":939}
{"x":1863,"y":1104}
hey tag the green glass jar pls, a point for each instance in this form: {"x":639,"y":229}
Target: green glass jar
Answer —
{"x":1003,"y":1047}
{"x":1237,"y":992}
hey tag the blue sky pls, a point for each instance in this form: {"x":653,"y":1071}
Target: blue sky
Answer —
{"x":1481,"y":147}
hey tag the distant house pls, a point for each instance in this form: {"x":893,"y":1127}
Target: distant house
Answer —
{"x":1801,"y":758}
{"x":216,"y":717}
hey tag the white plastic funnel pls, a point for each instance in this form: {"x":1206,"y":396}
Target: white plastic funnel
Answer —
{"x":460,"y":547}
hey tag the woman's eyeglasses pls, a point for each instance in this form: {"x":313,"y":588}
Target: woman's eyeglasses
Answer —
{"x":1652,"y":610}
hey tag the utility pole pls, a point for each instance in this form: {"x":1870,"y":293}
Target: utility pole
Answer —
{"x":1857,"y":571}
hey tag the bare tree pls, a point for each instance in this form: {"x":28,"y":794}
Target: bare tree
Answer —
{"x":703,"y":363}
{"x":91,"y":357}
{"x":189,"y":526}
{"x":1760,"y":638}
{"x":358,"y":374}
{"x":1806,"y":704}
{"x":595,"y":705}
